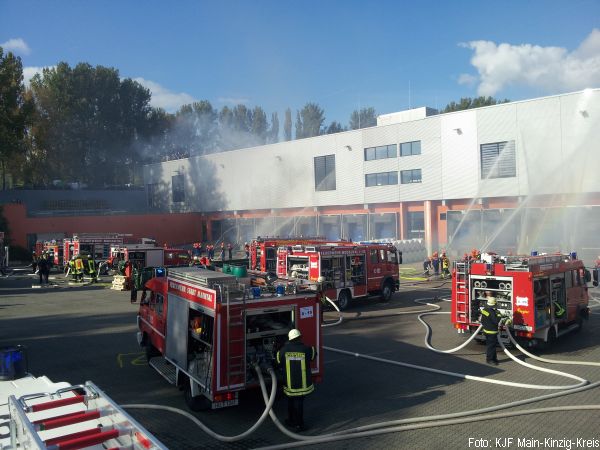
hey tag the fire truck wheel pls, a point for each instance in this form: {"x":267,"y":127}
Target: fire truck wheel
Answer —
{"x":344,"y":300}
{"x":551,"y":339}
{"x":198,"y":403}
{"x":387,"y":291}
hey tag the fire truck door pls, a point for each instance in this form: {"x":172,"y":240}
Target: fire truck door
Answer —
{"x":374,"y":269}
{"x":177,"y":330}
{"x":542,"y":302}
{"x":156,"y":311}
{"x":559,"y":306}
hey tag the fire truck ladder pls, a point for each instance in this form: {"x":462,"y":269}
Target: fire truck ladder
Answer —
{"x":462,"y":292}
{"x":84,"y":413}
{"x":236,"y":337}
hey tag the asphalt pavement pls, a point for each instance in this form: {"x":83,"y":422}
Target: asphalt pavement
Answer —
{"x":84,"y":333}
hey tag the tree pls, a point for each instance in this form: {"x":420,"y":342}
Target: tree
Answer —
{"x":309,"y":121}
{"x":196,"y":128}
{"x":287,"y":125}
{"x":89,"y":122}
{"x":334,"y":127}
{"x":242,"y":118}
{"x":364,"y":118}
{"x":274,"y":130}
{"x":259,"y":124}
{"x":15,"y":113}
{"x":469,"y":103}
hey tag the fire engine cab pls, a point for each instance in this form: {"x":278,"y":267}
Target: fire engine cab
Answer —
{"x":204,"y":330}
{"x":546,"y":296}
{"x":346,"y":271}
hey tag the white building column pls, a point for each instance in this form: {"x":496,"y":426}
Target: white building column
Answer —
{"x":429,"y":238}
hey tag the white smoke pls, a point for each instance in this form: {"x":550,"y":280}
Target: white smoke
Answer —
{"x":551,"y":69}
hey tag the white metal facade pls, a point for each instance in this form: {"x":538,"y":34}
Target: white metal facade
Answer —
{"x":556,"y":140}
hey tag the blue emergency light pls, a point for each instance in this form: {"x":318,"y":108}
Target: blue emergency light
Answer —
{"x":160,"y":272}
{"x":13,"y":362}
{"x":534,"y":253}
{"x":573,"y":255}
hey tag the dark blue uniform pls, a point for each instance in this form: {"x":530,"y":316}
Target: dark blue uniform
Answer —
{"x":490,"y":318}
{"x":295,"y":357}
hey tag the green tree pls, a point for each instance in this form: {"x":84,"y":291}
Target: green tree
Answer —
{"x":287,"y":125}
{"x":242,"y":119}
{"x":364,"y":118}
{"x":89,"y":121}
{"x":15,"y":114}
{"x":195,"y":130}
{"x":274,"y":130}
{"x":309,"y":121}
{"x":259,"y":125}
{"x":469,"y":103}
{"x":334,"y":127}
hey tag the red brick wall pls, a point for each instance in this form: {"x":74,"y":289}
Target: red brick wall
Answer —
{"x":165,"y":228}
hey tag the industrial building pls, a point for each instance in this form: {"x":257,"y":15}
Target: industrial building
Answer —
{"x":511,"y":177}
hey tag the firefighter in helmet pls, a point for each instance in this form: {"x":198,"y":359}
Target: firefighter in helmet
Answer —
{"x":295,"y":357}
{"x":490,"y":319}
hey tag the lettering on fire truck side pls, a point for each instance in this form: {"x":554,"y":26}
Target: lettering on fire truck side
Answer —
{"x":306,"y":312}
{"x":314,"y":265}
{"x":522,"y":301}
{"x":523,"y":312}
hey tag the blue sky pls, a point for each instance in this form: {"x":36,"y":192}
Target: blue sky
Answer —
{"x":340,"y":54}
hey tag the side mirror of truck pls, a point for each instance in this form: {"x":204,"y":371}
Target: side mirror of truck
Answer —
{"x":596,"y":276}
{"x":399,"y":257}
{"x":588,"y":276}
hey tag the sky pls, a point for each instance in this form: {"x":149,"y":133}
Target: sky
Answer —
{"x":342,"y":55}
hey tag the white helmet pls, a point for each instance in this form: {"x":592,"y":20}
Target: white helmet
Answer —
{"x":293,"y":334}
{"x":491,"y":301}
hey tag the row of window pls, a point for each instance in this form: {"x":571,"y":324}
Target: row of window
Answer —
{"x":390,"y":151}
{"x":498,"y":160}
{"x":390,"y":178}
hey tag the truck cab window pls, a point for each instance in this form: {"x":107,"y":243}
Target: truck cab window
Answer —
{"x":373,"y":256}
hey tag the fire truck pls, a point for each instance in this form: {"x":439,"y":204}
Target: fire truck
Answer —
{"x":97,"y":245}
{"x":346,"y":271}
{"x":203,"y":331}
{"x":144,"y":255}
{"x":546,"y":296}
{"x":263,"y":251}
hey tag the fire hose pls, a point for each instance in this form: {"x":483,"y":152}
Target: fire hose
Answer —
{"x":269,"y":401}
{"x":452,"y":418}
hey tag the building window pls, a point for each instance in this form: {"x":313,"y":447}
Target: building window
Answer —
{"x":410,"y":148}
{"x":415,"y":222}
{"x":381,"y":152}
{"x":381,"y":179}
{"x":410,"y":176}
{"x":498,"y":160}
{"x":178,"y":191}
{"x":325,"y":173}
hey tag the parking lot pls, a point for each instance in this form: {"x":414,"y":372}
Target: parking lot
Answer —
{"x":76,"y":334}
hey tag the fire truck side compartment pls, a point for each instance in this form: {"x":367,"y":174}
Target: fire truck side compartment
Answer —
{"x":177,"y":326}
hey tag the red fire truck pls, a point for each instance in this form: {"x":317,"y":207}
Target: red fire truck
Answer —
{"x":346,"y":270}
{"x":97,"y":245}
{"x":546,"y":296}
{"x":203,"y":331}
{"x":263,"y":251}
{"x":53,"y":248}
{"x":144,"y":255}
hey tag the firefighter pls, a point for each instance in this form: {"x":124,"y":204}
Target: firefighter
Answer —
{"x":445,"y":266}
{"x":43,"y":268}
{"x":222,"y":251}
{"x":34,"y":262}
{"x":295,"y":358}
{"x":230,"y":251}
{"x":490,"y":319}
{"x":247,"y":250}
